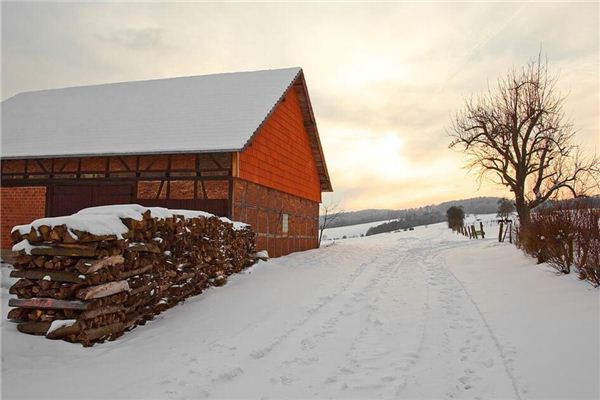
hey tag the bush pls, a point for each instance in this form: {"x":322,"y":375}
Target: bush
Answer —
{"x":565,"y":235}
{"x":587,"y":254}
{"x":456,"y":217}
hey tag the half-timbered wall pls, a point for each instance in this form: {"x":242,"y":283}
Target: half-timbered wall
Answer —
{"x":66,"y":185}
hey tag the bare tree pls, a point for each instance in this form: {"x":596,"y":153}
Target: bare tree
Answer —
{"x":456,"y":217}
{"x":329,"y":213}
{"x":519,"y":136}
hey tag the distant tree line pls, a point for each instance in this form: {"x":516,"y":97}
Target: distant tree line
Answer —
{"x":476,"y":205}
{"x":409,"y":221}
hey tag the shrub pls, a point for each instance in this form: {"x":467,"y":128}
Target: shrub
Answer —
{"x":565,"y":235}
{"x":456,"y":218}
{"x":587,"y":245}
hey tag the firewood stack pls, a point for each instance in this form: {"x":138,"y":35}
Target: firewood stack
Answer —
{"x":93,"y":284}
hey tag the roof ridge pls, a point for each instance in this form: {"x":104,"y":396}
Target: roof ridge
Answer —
{"x":152,"y":80}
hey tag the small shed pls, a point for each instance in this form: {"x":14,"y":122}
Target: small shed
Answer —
{"x":242,"y":145}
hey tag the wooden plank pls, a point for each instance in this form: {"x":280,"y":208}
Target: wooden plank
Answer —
{"x":64,"y":251}
{"x":48,"y":304}
{"x":58,"y":276}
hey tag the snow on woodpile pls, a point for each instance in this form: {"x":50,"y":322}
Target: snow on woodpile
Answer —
{"x":108,"y":220}
{"x":95,"y":274}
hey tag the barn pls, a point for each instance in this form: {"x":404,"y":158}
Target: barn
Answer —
{"x":243,"y":145}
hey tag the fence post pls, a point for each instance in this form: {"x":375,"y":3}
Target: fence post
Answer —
{"x":500,"y":232}
{"x":510,"y":233}
{"x":474,"y":231}
{"x":482,"y":232}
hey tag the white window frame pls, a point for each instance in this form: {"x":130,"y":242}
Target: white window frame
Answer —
{"x":285,"y":227}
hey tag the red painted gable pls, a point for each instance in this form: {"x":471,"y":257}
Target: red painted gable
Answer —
{"x":280,"y":155}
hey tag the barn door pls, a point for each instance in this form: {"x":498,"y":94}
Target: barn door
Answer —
{"x":103,"y":195}
{"x":68,"y":199}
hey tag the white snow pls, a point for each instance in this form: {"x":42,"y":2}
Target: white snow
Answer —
{"x":60,"y":323}
{"x":189,"y":114}
{"x":25,"y":246}
{"x":263,"y":255}
{"x":94,"y":224}
{"x":425,"y":314}
{"x":236,"y":224}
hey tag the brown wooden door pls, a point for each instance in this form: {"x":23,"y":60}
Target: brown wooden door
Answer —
{"x":103,"y":195}
{"x":68,"y":199}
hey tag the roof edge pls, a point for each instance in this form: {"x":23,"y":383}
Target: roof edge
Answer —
{"x":115,"y":154}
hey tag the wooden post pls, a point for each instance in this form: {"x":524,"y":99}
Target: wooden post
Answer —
{"x":482,"y":232}
{"x":510,"y":233}
{"x":500,"y":231}
{"x":474,"y":231}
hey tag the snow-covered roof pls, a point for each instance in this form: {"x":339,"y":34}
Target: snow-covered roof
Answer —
{"x":204,"y":113}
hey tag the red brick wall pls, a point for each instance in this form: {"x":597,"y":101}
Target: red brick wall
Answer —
{"x":263,"y":207}
{"x":19,"y":205}
{"x":280,"y":156}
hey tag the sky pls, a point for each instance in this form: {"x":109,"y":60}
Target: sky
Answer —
{"x":384,"y":78}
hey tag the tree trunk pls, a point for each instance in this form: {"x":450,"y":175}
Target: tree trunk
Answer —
{"x":524,"y":221}
{"x":523,"y":211}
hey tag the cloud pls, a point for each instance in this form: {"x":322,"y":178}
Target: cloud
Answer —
{"x":135,"y":39}
{"x":384,"y":78}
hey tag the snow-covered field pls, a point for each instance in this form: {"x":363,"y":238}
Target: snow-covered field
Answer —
{"x":419,"y":314}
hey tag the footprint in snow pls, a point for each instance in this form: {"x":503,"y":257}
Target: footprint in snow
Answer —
{"x":229,"y":375}
{"x":489,"y":363}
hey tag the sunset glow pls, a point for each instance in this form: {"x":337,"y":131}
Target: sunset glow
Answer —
{"x":384,"y":79}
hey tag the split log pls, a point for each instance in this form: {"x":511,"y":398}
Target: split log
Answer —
{"x":144,"y":247}
{"x":106,"y":289}
{"x":64,"y":331}
{"x":91,"y":266}
{"x":96,"y":333}
{"x":101,"y":311}
{"x":129,"y":274}
{"x":34,"y":328}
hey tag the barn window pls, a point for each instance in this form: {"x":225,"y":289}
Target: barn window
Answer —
{"x":284,"y":223}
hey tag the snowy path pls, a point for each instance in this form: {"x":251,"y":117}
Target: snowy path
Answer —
{"x":389,"y":316}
